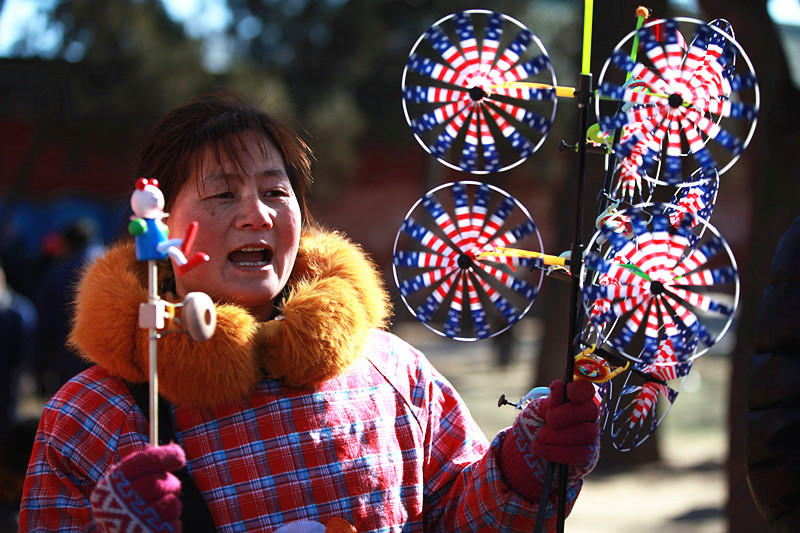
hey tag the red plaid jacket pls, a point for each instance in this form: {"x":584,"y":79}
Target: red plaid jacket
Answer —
{"x":388,"y":446}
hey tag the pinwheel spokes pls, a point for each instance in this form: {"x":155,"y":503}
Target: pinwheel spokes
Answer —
{"x":697,"y":100}
{"x":467,"y":260}
{"x":479,"y":91}
{"x":660,"y":282}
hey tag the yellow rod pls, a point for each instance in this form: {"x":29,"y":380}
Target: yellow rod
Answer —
{"x":588,"y":13}
{"x":549,"y":260}
{"x":561,"y":90}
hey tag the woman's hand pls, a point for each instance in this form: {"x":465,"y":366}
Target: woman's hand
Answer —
{"x":571,"y":433}
{"x":140,"y":493}
{"x":560,"y":428}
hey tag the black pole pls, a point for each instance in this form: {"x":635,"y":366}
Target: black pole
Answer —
{"x":575,"y":265}
{"x":583,"y":96}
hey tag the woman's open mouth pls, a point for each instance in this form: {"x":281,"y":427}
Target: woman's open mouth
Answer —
{"x":251,"y":257}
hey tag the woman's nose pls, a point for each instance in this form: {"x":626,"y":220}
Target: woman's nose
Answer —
{"x":253,"y":213}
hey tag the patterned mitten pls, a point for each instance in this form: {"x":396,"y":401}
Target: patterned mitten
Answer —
{"x":140,"y":493}
{"x":555,"y":430}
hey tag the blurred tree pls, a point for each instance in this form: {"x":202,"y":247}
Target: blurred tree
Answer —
{"x":127,"y":60}
{"x":110,"y":71}
{"x":113,"y":68}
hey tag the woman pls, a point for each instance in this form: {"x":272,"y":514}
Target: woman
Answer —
{"x":301,"y":406}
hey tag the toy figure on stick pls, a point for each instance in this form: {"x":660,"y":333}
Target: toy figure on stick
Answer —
{"x":151,"y":234}
{"x":152,"y":244}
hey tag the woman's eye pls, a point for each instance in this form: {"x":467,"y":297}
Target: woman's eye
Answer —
{"x":224,"y":194}
{"x":275,"y":193}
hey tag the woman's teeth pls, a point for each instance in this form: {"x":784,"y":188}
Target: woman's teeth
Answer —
{"x":256,"y":257}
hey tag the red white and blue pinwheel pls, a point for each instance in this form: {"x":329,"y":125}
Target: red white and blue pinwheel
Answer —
{"x":697,"y":199}
{"x":467,"y":260}
{"x":646,"y":396}
{"x":660,"y":281}
{"x":479,"y":91}
{"x":699,"y":99}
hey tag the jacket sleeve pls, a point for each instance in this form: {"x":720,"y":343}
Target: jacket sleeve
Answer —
{"x":464,"y":487}
{"x":83,"y":430}
{"x":773,"y":448}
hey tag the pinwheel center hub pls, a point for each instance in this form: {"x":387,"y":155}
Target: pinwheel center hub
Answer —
{"x":675,"y":100}
{"x":477,"y":93}
{"x":464,"y":261}
{"x":656,"y":288}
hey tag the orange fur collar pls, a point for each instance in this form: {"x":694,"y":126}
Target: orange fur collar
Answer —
{"x":335,"y":297}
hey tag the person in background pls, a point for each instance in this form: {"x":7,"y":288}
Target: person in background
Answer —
{"x":54,"y":363}
{"x":16,"y":445}
{"x":302,"y":410}
{"x":773,"y":440}
{"x":17,"y":322}
{"x":18,"y":319}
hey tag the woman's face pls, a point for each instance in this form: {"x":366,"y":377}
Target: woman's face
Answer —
{"x":249,"y":225}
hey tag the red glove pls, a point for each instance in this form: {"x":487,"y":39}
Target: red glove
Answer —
{"x":140,"y":493}
{"x":550,"y":429}
{"x":572,"y":433}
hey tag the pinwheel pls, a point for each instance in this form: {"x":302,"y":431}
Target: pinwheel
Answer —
{"x":648,"y":393}
{"x":633,"y":177}
{"x":479,"y":91}
{"x":613,"y":218}
{"x":659,"y":282}
{"x":698,"y":199}
{"x":467,"y":260}
{"x":699,"y":97}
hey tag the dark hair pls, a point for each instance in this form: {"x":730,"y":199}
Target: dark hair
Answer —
{"x":215,"y":120}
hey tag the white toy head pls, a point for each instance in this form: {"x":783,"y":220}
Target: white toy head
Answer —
{"x":147,"y":201}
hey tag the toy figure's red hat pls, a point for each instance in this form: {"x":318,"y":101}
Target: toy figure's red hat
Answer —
{"x":141,"y":183}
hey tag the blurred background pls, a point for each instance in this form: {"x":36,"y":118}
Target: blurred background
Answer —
{"x":81,"y":81}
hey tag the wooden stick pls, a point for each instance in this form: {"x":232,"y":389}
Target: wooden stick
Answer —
{"x":152,"y":297}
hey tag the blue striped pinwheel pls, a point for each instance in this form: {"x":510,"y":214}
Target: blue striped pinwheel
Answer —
{"x":479,"y":91}
{"x":659,"y":281}
{"x":467,"y":260}
{"x":648,"y":391}
{"x":646,"y":396}
{"x":699,"y":98}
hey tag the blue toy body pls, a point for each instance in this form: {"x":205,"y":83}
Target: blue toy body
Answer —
{"x":147,"y":243}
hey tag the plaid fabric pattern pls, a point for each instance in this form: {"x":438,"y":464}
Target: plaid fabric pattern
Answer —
{"x":389,"y":446}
